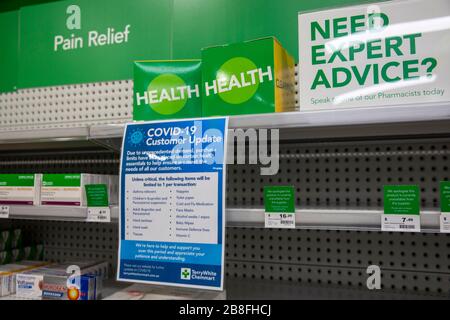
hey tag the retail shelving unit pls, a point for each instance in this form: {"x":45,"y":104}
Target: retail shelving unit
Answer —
{"x":338,"y":162}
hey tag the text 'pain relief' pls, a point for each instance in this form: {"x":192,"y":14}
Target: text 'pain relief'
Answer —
{"x":93,"y":38}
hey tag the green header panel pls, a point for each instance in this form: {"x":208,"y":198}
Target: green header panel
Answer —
{"x":86,"y":41}
{"x":68,"y":42}
{"x":9,"y":33}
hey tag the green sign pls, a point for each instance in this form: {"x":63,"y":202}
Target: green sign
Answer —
{"x":86,"y":41}
{"x":245,"y":78}
{"x":83,"y":41}
{"x":279,"y":199}
{"x":167,"y":89}
{"x":97,"y":195}
{"x":445,"y":196}
{"x":9,"y":35}
{"x":402,"y":199}
{"x":61,"y":180}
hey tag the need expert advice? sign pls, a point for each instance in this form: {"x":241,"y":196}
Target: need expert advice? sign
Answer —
{"x":382,"y":54}
{"x":172,"y":203}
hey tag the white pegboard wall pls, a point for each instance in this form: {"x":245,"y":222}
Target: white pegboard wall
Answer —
{"x":336,"y":175}
{"x":67,"y":106}
{"x":346,"y":175}
{"x":410,"y":263}
{"x":103,"y":162}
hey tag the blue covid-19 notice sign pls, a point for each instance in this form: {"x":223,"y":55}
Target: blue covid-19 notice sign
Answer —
{"x":172,"y":210}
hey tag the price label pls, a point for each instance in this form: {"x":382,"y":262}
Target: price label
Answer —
{"x":445,"y":223}
{"x":279,"y":204}
{"x":4,"y":212}
{"x":402,"y":223}
{"x":445,"y":206}
{"x":280,"y":220}
{"x":99,"y":214}
{"x":401,"y":208}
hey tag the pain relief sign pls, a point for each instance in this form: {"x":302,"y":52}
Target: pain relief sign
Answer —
{"x":384,"y":54}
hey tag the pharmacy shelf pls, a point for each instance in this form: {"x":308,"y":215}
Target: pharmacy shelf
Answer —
{"x":252,"y":289}
{"x":255,"y":289}
{"x":322,"y":219}
{"x":412,"y":119}
{"x":44,"y":135}
{"x":55,"y":213}
{"x":319,"y":219}
{"x":379,"y":121}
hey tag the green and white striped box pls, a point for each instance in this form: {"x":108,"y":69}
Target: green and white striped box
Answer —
{"x":68,"y":189}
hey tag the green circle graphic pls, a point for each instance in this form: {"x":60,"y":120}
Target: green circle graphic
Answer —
{"x":167,"y":81}
{"x":236,"y":66}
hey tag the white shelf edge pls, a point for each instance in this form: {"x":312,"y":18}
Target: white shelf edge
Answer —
{"x":364,"y":220}
{"x":310,"y":119}
{"x":56,"y":213}
{"x":44,"y":135}
{"x":353,"y":220}
{"x":283,"y":120}
{"x":345,"y":117}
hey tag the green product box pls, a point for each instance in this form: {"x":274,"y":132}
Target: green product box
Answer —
{"x":5,"y":257}
{"x":167,"y":89}
{"x":17,"y":255}
{"x":5,"y":240}
{"x":66,"y":189}
{"x":39,"y":252}
{"x":33,"y":252}
{"x":19,"y":189}
{"x":16,"y":239}
{"x":11,"y":256}
{"x":256,"y":76}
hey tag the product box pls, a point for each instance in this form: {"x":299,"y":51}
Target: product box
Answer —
{"x":66,"y":189}
{"x":5,"y":257}
{"x":16,"y":238}
{"x":256,"y":76}
{"x":9,"y":272}
{"x":55,"y":286}
{"x":29,"y":284}
{"x":5,"y":240}
{"x":17,"y":255}
{"x":69,"y":189}
{"x":11,"y":256}
{"x":10,"y":239}
{"x":167,"y":89}
{"x":19,"y":189}
{"x":34,"y":252}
